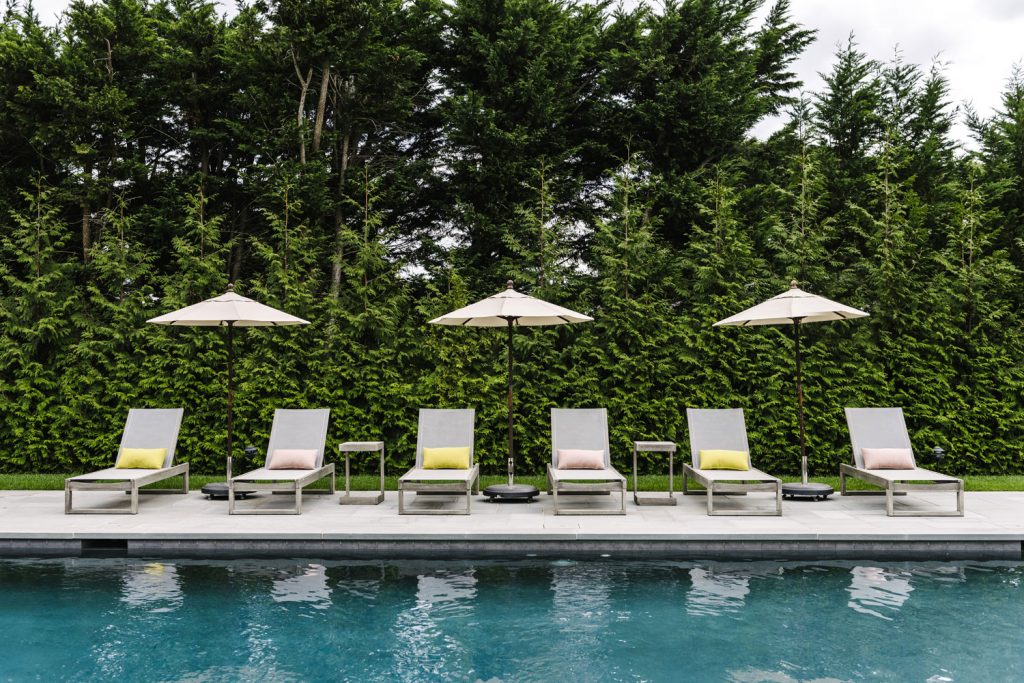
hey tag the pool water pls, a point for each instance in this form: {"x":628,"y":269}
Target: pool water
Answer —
{"x":129,"y":620}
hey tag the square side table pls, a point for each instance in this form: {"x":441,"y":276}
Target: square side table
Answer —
{"x":350,"y":447}
{"x":657,"y":447}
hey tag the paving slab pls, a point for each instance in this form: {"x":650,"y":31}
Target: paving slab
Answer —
{"x":33,"y":522}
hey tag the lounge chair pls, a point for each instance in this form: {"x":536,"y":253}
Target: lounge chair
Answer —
{"x":886,"y":428}
{"x":145,"y":429}
{"x":442,"y":429}
{"x":724,"y":429}
{"x":584,"y":431}
{"x":301,"y":436}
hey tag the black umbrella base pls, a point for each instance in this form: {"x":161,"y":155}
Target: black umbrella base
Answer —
{"x":511,"y":493}
{"x":809,"y":491}
{"x":219,"y":491}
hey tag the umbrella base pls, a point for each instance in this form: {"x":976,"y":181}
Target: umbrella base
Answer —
{"x":508,"y":493}
{"x":809,"y":491}
{"x":219,"y":491}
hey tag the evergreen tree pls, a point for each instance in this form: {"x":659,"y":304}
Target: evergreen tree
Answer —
{"x":39,"y":302}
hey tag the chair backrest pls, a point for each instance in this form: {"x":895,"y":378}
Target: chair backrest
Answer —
{"x":152,"y":428}
{"x":300,"y":428}
{"x":716,"y":429}
{"x":876,"y":428}
{"x":583,"y":428}
{"x":445,"y":427}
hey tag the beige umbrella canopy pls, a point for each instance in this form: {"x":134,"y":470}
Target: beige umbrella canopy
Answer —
{"x":228,"y":310}
{"x":795,"y":307}
{"x":510,"y":309}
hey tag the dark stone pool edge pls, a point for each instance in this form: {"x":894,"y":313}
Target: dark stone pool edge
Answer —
{"x":724,"y":549}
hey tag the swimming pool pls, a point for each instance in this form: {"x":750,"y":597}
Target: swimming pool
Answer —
{"x":99,"y":620}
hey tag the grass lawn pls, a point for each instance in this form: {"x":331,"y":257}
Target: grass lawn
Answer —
{"x":369,"y":482}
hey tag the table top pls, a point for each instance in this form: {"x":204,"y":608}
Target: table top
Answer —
{"x":665,"y":446}
{"x":357,"y":446}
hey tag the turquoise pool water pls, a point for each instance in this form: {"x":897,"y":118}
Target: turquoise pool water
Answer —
{"x":128,"y":620}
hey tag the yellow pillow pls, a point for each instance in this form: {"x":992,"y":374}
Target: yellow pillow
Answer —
{"x":141,"y":458}
{"x":450,"y":458}
{"x":724,"y":460}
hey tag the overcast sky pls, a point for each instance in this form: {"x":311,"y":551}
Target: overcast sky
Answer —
{"x":979,"y":41}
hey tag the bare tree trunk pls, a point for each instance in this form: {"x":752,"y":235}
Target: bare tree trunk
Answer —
{"x":321,"y":105}
{"x":238,"y":250}
{"x":366,"y":218}
{"x":86,"y":230}
{"x":300,"y":117}
{"x":86,"y":213}
{"x":339,"y":223}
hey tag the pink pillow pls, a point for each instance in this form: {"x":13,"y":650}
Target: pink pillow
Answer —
{"x":292,"y":459}
{"x":575,"y":459}
{"x":887,"y":458}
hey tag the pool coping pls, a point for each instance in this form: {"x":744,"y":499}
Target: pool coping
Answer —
{"x":32,"y":524}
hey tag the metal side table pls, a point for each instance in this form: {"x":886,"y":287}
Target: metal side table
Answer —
{"x":658,"y":447}
{"x":350,"y":447}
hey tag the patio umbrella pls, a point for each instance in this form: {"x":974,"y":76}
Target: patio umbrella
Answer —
{"x":511,"y":309}
{"x":228,"y":310}
{"x":797,"y":307}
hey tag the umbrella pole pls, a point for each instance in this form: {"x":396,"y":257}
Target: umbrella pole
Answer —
{"x":511,"y":450}
{"x":800,"y":402}
{"x":231,"y":382}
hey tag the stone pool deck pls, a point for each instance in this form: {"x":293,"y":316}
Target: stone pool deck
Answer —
{"x":33,"y":524}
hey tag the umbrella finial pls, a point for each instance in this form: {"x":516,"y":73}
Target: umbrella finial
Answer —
{"x":231,"y":286}
{"x":793,"y":284}
{"x":508,"y":285}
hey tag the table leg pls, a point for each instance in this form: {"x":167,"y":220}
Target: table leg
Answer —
{"x":634,"y":476}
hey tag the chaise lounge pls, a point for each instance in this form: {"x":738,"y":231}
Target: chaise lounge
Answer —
{"x":721,"y":459}
{"x":581,"y":459}
{"x":444,"y":460}
{"x":882,"y":456}
{"x":295,"y":459}
{"x":145,"y":456}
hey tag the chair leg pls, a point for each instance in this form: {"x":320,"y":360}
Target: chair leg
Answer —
{"x":711,"y":498}
{"x":334,"y":483}
{"x":778,"y":498}
{"x":67,"y":499}
{"x":960,"y":499}
{"x":622,"y":492}
{"x":184,"y":482}
{"x":231,"y":498}
{"x":888,"y":501}
{"x":135,"y":498}
{"x":298,"y":500}
{"x":401,"y":499}
{"x":469,"y":498}
{"x":842,"y":483}
{"x":554,"y":491}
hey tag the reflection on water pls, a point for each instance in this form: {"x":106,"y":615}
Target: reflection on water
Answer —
{"x":101,"y":620}
{"x":155,"y":585}
{"x":428,"y":644}
{"x":580,"y":597}
{"x":751,"y":675}
{"x":715,"y":592}
{"x":152,"y":590}
{"x":582,"y":612}
{"x":878,"y":592}
{"x":305,"y":584}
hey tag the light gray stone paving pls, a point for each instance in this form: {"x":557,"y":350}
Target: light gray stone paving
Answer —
{"x":32,"y":523}
{"x":40,"y":515}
